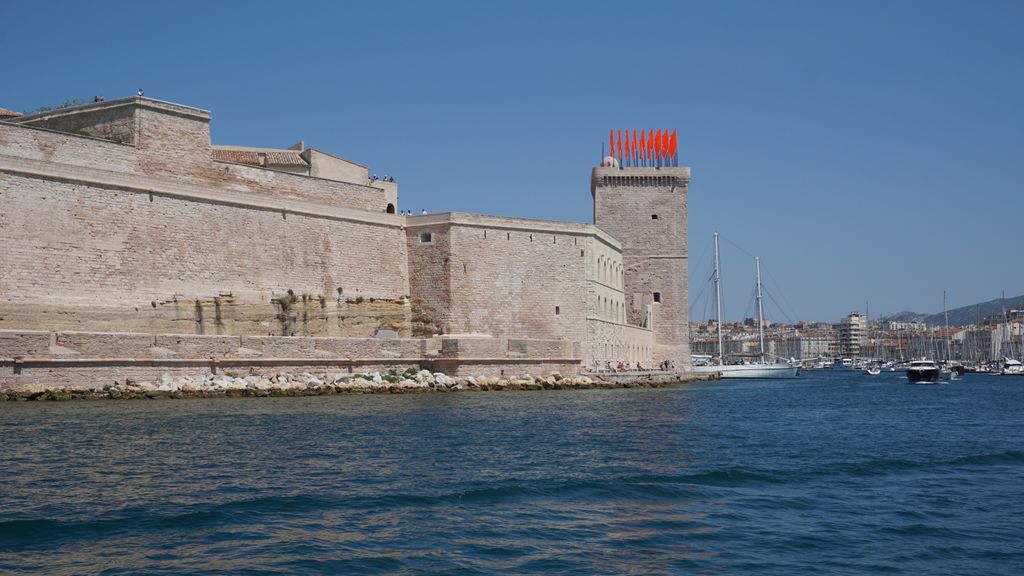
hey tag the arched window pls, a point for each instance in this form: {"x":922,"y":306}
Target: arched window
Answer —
{"x":390,"y":209}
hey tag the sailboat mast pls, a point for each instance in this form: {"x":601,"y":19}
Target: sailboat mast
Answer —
{"x":718,"y":302}
{"x":760,"y":307}
{"x":945,"y":312}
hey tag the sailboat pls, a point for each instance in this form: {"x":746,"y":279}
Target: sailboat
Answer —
{"x":758,"y":369}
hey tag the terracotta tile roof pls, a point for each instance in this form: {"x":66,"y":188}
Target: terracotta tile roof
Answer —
{"x":5,"y":113}
{"x":237,"y":156}
{"x":285,"y":159}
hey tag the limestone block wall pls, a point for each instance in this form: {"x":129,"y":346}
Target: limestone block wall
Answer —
{"x":32,"y":360}
{"x":96,"y":245}
{"x":115,"y":120}
{"x":277,"y":184}
{"x":429,"y":250}
{"x":646,"y":210}
{"x":324,"y":165}
{"x":508,"y":277}
{"x":605,"y":298}
{"x":613,"y":343}
{"x":62,"y":148}
{"x":172,"y":141}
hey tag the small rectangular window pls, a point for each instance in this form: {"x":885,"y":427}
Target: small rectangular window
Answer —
{"x":557,"y":310}
{"x":654,"y":216}
{"x":426,"y":238}
{"x":657,"y":296}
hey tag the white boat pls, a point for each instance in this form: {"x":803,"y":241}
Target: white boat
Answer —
{"x":873,"y":370}
{"x":842,"y":364}
{"x":760,"y":368}
{"x":752,"y":370}
{"x":1012,"y":367}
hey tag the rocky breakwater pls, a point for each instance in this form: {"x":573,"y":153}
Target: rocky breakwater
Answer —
{"x":307,"y":384}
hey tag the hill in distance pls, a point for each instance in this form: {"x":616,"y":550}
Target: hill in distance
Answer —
{"x":963,"y":316}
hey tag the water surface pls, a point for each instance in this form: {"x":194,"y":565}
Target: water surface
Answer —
{"x":831,"y":473}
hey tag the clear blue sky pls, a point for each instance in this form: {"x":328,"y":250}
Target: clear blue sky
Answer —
{"x":867,"y":151}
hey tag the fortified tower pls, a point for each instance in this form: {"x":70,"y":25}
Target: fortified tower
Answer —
{"x":640,"y":199}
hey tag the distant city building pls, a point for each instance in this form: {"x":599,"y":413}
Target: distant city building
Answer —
{"x":891,"y":325}
{"x":802,"y":347}
{"x":853,"y":334}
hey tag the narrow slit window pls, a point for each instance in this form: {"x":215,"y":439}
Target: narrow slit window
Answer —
{"x":558,"y":310}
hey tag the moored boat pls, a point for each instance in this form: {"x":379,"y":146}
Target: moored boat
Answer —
{"x":761,"y":368}
{"x":1012,"y":367}
{"x":754,"y":370}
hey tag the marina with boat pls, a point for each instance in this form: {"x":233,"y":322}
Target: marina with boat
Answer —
{"x":931,"y":349}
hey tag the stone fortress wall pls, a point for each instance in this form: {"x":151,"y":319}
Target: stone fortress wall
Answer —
{"x":119,"y":217}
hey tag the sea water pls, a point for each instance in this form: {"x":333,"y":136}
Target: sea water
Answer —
{"x":827,"y":474}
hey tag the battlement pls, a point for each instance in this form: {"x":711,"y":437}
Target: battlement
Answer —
{"x":637,"y":177}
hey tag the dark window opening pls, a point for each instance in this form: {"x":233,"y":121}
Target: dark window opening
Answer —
{"x":657,"y":296}
{"x":390,"y":209}
{"x":426,"y":238}
{"x":581,"y":253}
{"x":654,"y":216}
{"x":557,"y":310}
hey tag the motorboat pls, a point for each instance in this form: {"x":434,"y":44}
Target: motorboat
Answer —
{"x":1012,"y":367}
{"x":923,"y":372}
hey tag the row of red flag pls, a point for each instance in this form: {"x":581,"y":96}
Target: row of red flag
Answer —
{"x":656,"y":144}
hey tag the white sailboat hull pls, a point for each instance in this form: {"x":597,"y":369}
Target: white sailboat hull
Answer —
{"x":764,"y":371}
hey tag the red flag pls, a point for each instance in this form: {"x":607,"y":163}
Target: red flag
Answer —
{"x":618,"y":136}
{"x":674,"y":146}
{"x":643,"y":144}
{"x":611,"y":142}
{"x":664,"y":144}
{"x":650,"y":143}
{"x":635,"y":147}
{"x":657,"y":144}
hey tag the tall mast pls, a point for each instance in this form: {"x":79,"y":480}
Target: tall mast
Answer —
{"x":760,"y":307}
{"x":718,"y":303}
{"x":945,"y":313}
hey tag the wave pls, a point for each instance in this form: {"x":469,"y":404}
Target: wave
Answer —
{"x":886,"y":466}
{"x":48,"y":533}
